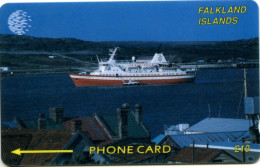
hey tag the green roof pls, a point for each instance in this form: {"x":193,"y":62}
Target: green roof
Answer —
{"x":134,"y":129}
{"x":50,"y":124}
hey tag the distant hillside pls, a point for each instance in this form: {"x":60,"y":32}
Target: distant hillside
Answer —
{"x":28,"y":43}
{"x":187,"y":50}
{"x":27,"y":53}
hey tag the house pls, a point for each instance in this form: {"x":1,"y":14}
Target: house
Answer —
{"x":55,"y":121}
{"x":158,"y":138}
{"x":27,"y":139}
{"x":12,"y":139}
{"x":202,"y":156}
{"x":178,"y":142}
{"x":210,"y":125}
{"x":80,"y":144}
{"x":104,"y":128}
{"x":90,"y":126}
{"x":78,"y":134}
{"x":137,"y":158}
{"x":175,"y":129}
{"x":45,"y":140}
{"x":99,"y":128}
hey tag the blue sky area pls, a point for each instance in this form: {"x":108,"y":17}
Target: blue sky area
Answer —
{"x":133,"y":21}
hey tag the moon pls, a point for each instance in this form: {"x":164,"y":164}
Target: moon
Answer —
{"x":19,"y":22}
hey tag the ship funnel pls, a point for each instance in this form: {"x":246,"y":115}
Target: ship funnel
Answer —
{"x":159,"y":58}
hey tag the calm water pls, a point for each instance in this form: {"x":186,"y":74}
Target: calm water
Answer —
{"x":26,"y":96}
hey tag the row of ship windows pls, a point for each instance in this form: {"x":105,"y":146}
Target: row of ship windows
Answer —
{"x":134,"y":74}
{"x":138,"y":71}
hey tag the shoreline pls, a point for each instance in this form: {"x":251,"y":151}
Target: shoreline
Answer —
{"x":186,"y":66}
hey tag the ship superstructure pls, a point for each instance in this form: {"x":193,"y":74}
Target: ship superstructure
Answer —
{"x":112,"y":72}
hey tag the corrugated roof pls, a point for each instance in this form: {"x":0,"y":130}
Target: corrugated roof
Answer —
{"x":90,"y":125}
{"x":45,"y":140}
{"x":204,"y":138}
{"x":159,"y":138}
{"x":201,"y":155}
{"x":220,"y":125}
{"x":244,"y":136}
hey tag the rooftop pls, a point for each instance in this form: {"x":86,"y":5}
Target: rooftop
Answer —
{"x":220,"y":125}
{"x":8,"y":124}
{"x":159,"y":138}
{"x":33,"y":124}
{"x":92,"y":126}
{"x":45,"y":140}
{"x":134,"y":129}
{"x":204,"y":138}
{"x":12,"y":140}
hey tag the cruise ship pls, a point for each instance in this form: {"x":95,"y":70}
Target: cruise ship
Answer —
{"x":135,"y":72}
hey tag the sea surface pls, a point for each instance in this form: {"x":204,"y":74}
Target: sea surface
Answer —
{"x":215,"y":93}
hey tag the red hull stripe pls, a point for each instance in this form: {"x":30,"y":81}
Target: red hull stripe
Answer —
{"x":116,"y":81}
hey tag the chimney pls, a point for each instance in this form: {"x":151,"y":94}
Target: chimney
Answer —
{"x":41,"y":121}
{"x":122,"y":114}
{"x":76,"y":125}
{"x":56,"y":114}
{"x":138,"y":113}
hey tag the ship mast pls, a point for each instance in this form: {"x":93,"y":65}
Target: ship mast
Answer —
{"x":112,"y":53}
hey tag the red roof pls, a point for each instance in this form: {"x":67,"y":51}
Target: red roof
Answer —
{"x":45,"y":140}
{"x":91,"y":126}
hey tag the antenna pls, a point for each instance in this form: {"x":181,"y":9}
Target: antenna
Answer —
{"x":245,"y":90}
{"x":245,"y":82}
{"x":97,"y":58}
{"x":219,"y":111}
{"x":209,"y":109}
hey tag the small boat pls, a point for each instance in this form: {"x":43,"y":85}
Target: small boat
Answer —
{"x":130,"y":82}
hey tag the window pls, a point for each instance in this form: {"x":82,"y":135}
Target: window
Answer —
{"x":251,"y":159}
{"x":218,"y":160}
